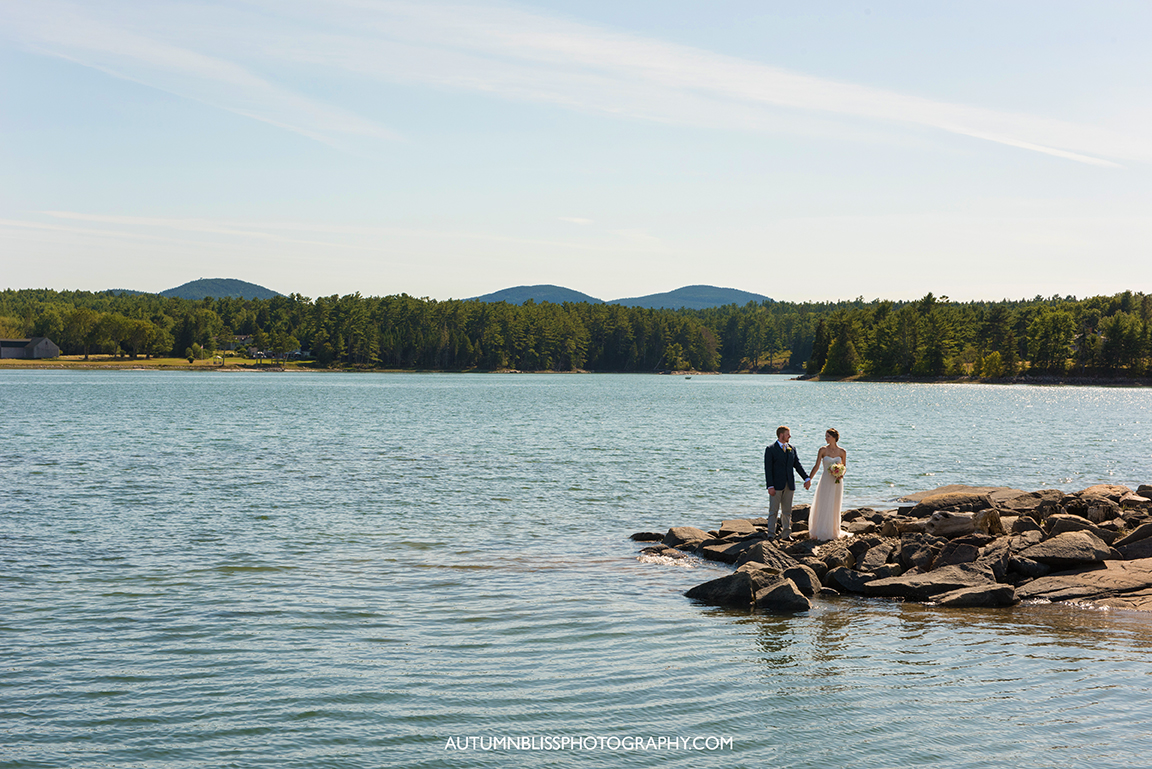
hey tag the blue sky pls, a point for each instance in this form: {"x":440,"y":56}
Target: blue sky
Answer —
{"x":805,"y":151}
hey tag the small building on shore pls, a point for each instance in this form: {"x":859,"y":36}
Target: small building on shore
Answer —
{"x":36,"y":347}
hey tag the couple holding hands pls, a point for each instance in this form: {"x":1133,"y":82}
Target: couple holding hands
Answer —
{"x":780,"y":464}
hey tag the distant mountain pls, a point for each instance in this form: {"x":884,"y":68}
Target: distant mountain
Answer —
{"x":218,"y":288}
{"x":694,"y":298}
{"x":544,"y":293}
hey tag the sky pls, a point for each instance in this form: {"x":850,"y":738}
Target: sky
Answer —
{"x":807,"y":151}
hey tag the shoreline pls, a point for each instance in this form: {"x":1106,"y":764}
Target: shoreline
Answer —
{"x":178,"y":364}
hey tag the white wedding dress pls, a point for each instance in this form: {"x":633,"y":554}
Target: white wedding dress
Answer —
{"x":824,"y":517}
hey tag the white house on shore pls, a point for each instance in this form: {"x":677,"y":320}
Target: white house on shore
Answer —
{"x":37,"y":347}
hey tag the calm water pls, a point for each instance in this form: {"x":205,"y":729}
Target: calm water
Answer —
{"x":299,"y":570}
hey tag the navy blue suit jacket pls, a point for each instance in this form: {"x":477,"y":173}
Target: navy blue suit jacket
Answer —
{"x":779,"y":467}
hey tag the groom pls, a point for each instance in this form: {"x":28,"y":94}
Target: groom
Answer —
{"x":780,"y":462}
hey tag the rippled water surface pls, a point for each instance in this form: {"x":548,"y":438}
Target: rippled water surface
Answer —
{"x":329,"y":570}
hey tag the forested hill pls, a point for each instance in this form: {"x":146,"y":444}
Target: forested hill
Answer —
{"x":220,"y":288}
{"x":1093,"y":337}
{"x":693,"y":298}
{"x":540,"y":293}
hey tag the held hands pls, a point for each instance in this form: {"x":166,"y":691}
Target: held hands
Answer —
{"x":771,"y":491}
{"x":807,"y":483}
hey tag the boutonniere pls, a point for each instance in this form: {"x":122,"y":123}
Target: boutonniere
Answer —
{"x":787,"y":448}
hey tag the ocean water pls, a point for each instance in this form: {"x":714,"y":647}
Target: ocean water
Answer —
{"x":406,"y":570}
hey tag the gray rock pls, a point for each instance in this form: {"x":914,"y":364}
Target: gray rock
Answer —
{"x":1063,"y":523}
{"x":781,"y":596}
{"x":962,"y":501}
{"x":985,"y":595}
{"x":955,"y":553}
{"x":646,"y":536}
{"x":1143,"y":531}
{"x":815,"y":564}
{"x":681,"y":535}
{"x":1141,"y":548}
{"x":768,"y":553}
{"x":876,"y":556}
{"x":948,"y":525}
{"x":861,"y":527}
{"x":735,"y":590}
{"x":888,"y":570}
{"x":1026,"y":504}
{"x":997,"y":557}
{"x":894,"y":527}
{"x":1135,"y":500}
{"x":919,"y":550}
{"x":1126,"y":584}
{"x":1024,"y":524}
{"x":1026,"y":540}
{"x":804,"y":578}
{"x":1064,"y":551}
{"x":849,"y":579}
{"x":1026,"y":567}
{"x":1111,"y":491}
{"x":726,"y":551}
{"x":919,"y":587}
{"x":998,"y":494}
{"x":737,"y":526}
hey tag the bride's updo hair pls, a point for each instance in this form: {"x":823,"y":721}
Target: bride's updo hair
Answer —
{"x":832,"y":431}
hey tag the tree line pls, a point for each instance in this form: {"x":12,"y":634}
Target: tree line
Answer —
{"x":1102,"y":336}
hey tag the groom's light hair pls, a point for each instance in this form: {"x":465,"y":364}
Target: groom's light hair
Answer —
{"x":781,"y":430}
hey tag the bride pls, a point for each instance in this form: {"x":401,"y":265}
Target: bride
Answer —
{"x":824,"y":519}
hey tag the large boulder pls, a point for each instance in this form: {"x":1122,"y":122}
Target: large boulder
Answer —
{"x":876,"y":556}
{"x":949,"y":525}
{"x":919,"y":550}
{"x":848,"y":580}
{"x":781,"y":596}
{"x":922,"y":586}
{"x":1112,"y":491}
{"x":1024,"y":523}
{"x":955,"y":553}
{"x":997,"y":494}
{"x":736,"y":590}
{"x":1141,"y":548}
{"x":737,"y":526}
{"x":680,"y":536}
{"x":1124,"y":584}
{"x":1027,"y":568}
{"x":766,"y":553}
{"x":983,"y":596}
{"x":1143,"y":531}
{"x":726,"y":550}
{"x":959,"y":501}
{"x":1028,"y":504}
{"x":1066,"y":551}
{"x":804,"y":578}
{"x":1065,"y":522}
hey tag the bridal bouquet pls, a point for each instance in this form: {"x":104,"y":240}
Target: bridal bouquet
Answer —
{"x":837,"y":471}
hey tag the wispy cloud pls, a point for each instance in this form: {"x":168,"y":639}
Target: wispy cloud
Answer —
{"x":246,"y":58}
